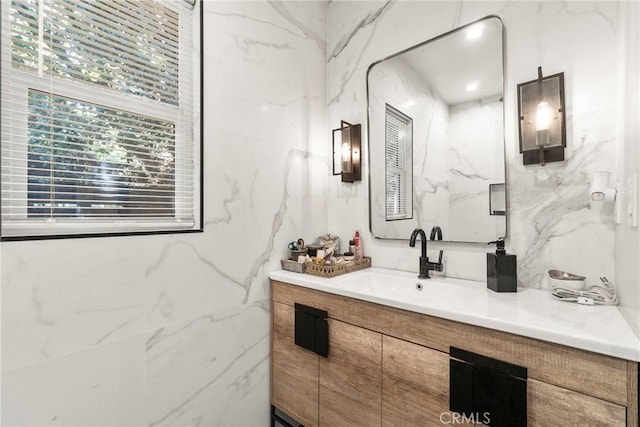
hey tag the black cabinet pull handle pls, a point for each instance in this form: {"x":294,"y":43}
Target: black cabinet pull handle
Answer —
{"x":491,"y":389}
{"x":311,"y":329}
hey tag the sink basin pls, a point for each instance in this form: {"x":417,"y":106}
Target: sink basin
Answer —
{"x":405,"y":286}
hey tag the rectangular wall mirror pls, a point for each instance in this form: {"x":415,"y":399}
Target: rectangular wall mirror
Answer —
{"x":436,"y":137}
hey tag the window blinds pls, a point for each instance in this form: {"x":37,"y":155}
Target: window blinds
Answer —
{"x":98,"y":113}
{"x":398,"y":165}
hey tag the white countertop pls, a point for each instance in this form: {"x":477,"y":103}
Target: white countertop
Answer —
{"x":529,"y":312}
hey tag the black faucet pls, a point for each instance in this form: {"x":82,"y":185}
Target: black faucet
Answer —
{"x":436,"y":234}
{"x":425,"y":264}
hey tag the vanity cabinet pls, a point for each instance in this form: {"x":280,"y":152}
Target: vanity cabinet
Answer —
{"x":343,"y":388}
{"x":391,"y":367}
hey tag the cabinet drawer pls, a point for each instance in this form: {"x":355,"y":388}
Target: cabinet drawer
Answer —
{"x":551,"y":406}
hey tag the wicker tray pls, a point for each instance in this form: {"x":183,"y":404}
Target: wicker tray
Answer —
{"x":337,"y":269}
{"x":289,"y":265}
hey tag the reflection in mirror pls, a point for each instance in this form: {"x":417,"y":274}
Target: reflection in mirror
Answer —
{"x":436,"y":144}
{"x":398,"y":155}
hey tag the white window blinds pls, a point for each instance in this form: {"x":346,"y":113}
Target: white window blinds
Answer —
{"x":398,"y":165}
{"x":99,"y":116}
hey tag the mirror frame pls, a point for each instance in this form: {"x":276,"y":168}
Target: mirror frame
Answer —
{"x":504,"y":146}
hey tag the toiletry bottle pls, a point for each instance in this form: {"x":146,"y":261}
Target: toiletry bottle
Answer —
{"x":502,"y":274}
{"x":358,"y":243}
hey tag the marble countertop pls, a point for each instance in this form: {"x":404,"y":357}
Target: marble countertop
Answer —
{"x":529,"y":312}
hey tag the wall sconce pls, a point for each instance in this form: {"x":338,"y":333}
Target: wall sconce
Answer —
{"x":542,"y":119}
{"x":346,"y":152}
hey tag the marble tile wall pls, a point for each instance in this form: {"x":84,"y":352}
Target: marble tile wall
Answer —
{"x":551,"y":223}
{"x":173,"y":330}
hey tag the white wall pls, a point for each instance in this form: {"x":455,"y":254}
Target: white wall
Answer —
{"x":174,"y":330}
{"x":627,"y":248}
{"x":550,"y":223}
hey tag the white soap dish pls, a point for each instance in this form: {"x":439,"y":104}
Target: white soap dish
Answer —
{"x":562,"y":279}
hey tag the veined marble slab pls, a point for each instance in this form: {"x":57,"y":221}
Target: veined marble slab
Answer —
{"x":550,"y":222}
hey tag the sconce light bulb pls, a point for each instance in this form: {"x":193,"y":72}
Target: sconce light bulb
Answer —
{"x":346,"y":151}
{"x":346,"y":157}
{"x":543,"y":116}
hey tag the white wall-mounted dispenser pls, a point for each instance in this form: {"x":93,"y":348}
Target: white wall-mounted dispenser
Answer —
{"x":600,"y":190}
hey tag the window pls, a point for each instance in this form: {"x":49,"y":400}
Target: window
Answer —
{"x":398,"y":165}
{"x":100,"y":101}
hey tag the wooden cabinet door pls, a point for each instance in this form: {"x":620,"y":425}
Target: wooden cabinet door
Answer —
{"x":294,"y":370}
{"x":415,"y":384}
{"x":549,"y":406}
{"x":350,"y":378}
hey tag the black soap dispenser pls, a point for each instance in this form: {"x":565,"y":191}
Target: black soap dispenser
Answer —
{"x":502,"y":274}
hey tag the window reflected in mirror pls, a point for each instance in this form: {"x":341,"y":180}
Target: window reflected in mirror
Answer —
{"x":398,"y":164}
